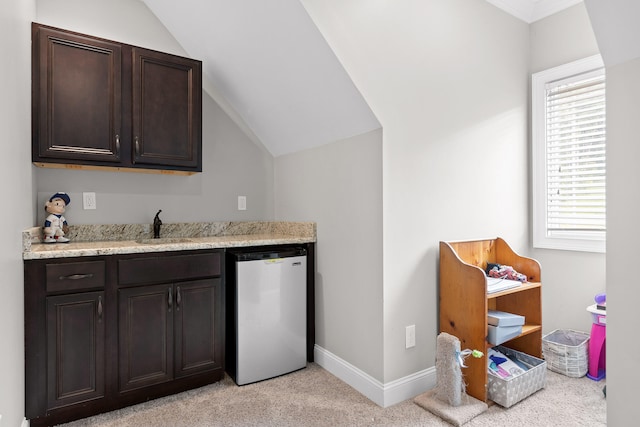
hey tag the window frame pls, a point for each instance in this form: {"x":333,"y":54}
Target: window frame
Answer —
{"x":569,"y":240}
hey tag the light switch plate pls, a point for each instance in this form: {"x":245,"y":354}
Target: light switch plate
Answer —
{"x":89,"y":201}
{"x":410,"y":336}
{"x":242,"y":203}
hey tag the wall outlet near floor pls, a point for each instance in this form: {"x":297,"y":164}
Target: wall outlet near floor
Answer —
{"x":89,"y":201}
{"x":242,"y":203}
{"x":410,"y":336}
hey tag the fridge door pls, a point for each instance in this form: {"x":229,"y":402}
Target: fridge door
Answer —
{"x":271,"y":318}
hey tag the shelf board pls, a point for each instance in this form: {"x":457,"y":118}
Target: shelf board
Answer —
{"x":524,"y":287}
{"x":526,"y":330}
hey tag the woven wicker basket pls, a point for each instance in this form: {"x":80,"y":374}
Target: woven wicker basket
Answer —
{"x":567,"y":352}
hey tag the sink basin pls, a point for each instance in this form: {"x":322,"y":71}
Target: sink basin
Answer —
{"x":163,"y":241}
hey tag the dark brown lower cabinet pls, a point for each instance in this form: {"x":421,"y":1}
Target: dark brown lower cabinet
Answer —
{"x":75,"y":350}
{"x":168,"y":331}
{"x":198,"y":314}
{"x":106,"y":332}
{"x":146,"y":336}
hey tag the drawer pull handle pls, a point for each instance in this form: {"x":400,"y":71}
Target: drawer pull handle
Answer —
{"x":117,"y":145}
{"x":178,"y":298}
{"x":137,"y":146}
{"x":99,"y":309}
{"x":170,"y":294}
{"x":76,"y":276}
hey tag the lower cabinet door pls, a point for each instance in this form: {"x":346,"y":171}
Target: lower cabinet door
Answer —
{"x":198,"y":326}
{"x":75,"y":349}
{"x":145,"y":316}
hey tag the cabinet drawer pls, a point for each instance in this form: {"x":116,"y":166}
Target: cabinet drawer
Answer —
{"x":164,"y":269}
{"x":75,"y":276}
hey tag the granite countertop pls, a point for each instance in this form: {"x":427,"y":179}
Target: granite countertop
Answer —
{"x":90,"y":240}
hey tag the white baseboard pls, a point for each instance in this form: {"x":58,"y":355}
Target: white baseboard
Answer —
{"x":381,"y":394}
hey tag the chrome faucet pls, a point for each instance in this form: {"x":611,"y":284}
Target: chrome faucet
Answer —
{"x":156,"y":225}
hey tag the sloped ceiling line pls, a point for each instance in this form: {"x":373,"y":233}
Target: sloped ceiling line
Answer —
{"x":281,"y":81}
{"x":272,"y":65}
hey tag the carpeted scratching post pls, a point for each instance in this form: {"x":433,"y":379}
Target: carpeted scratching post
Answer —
{"x":448,"y":400}
{"x":449,"y":385}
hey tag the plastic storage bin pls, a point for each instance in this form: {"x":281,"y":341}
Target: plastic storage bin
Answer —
{"x":567,"y":352}
{"x":508,"y":392}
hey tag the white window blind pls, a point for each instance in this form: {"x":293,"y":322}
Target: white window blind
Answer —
{"x":575,"y":134}
{"x":569,"y":156}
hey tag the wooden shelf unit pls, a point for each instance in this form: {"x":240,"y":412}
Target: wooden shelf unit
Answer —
{"x":464,"y":302}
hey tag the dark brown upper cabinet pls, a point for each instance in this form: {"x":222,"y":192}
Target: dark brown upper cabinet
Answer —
{"x":102,"y":104}
{"x":166,"y":108}
{"x":77,"y":85}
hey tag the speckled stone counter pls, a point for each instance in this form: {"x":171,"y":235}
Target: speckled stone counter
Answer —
{"x":112,"y":239}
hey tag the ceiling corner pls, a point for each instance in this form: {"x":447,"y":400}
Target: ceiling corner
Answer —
{"x":544,"y":8}
{"x":532,"y":10}
{"x":521,"y":9}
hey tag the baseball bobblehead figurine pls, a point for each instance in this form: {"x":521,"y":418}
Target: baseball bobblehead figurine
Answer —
{"x":55,"y":226}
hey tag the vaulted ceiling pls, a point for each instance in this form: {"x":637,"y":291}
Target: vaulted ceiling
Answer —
{"x":272,"y":65}
{"x":277,"y":75}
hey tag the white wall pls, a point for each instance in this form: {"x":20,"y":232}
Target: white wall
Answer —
{"x":615,"y":25}
{"x":15,"y":122}
{"x":339,"y":186}
{"x":232,"y":164}
{"x":623,"y":233}
{"x":448,"y":83}
{"x":560,"y":38}
{"x":571,"y":279}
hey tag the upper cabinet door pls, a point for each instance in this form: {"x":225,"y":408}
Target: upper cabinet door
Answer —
{"x":76,"y":97}
{"x":167,"y":110}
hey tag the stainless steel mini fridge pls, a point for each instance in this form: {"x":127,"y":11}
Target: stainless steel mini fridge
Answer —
{"x":269,"y":297}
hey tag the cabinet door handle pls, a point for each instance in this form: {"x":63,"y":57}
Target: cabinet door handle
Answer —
{"x":117,"y":145}
{"x":178,"y":298}
{"x":137,"y":146}
{"x":99,"y":309}
{"x":76,"y":276}
{"x":170,"y":296}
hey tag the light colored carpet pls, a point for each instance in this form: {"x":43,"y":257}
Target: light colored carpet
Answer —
{"x":469,"y":407}
{"x":314,"y":397}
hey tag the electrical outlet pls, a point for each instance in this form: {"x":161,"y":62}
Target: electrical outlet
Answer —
{"x":410,"y":336}
{"x":242,"y":203}
{"x":89,"y":201}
